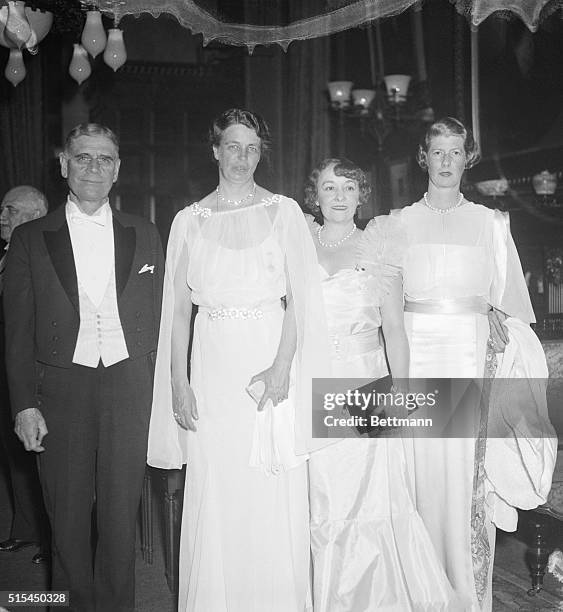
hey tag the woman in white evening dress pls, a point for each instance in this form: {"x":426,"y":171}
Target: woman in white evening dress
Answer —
{"x":370,"y":548}
{"x":236,"y":254}
{"x":459,"y":264}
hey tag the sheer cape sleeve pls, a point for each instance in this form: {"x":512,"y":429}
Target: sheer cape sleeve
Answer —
{"x":509,"y":292}
{"x":312,"y":354}
{"x":167,"y":445}
{"x":521,"y":442}
{"x":311,"y":224}
{"x":382,"y":248}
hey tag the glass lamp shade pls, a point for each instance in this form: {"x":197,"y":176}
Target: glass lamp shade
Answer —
{"x":79,"y":68}
{"x":115,"y":54}
{"x":544,"y":183}
{"x":17,"y":30}
{"x":15,"y":68}
{"x":493,"y":188}
{"x":40,"y":21}
{"x":94,"y":37}
{"x":363,"y":97}
{"x":397,"y":86}
{"x":339,"y":92}
{"x":3,"y":19}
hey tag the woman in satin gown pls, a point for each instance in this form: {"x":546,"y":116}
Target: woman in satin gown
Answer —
{"x":235,"y":254}
{"x":462,"y":278}
{"x":370,"y":549}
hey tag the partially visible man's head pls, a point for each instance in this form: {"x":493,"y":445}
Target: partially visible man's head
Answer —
{"x":20,"y":205}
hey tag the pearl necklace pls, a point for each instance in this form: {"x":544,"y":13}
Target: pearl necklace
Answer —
{"x":229,"y":202}
{"x":443,"y":211}
{"x":332,"y":245}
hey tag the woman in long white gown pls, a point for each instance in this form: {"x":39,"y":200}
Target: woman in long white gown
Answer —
{"x":459,"y":264}
{"x":236,"y":254}
{"x":370,"y":548}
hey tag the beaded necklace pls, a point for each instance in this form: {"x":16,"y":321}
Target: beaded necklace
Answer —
{"x":333,"y":245}
{"x":443,"y":211}
{"x":229,"y":202}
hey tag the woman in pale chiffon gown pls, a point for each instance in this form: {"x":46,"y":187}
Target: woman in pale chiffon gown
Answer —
{"x":236,"y":254}
{"x":462,"y":278}
{"x":370,"y":549}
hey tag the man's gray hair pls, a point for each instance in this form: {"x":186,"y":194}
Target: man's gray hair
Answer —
{"x":30,"y":196}
{"x":90,"y":129}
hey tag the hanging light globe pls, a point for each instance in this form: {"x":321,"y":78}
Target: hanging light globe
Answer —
{"x":79,"y":68}
{"x":15,"y":68}
{"x":94,"y":36}
{"x":40,"y":22}
{"x":3,"y":19}
{"x":17,"y":30}
{"x":115,"y":54}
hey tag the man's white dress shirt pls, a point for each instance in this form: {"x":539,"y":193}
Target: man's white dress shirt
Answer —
{"x":100,"y":335}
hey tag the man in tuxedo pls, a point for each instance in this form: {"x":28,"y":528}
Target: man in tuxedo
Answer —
{"x":29,"y":523}
{"x":82,"y":299}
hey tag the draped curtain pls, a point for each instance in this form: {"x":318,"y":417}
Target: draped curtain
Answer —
{"x":289,"y":89}
{"x":22,"y":129}
{"x":305,"y":117}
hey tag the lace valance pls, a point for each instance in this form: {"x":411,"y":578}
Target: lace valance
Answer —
{"x":274,"y":26}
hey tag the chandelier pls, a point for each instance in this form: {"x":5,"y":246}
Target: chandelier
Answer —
{"x":23,"y":28}
{"x":389,"y":105}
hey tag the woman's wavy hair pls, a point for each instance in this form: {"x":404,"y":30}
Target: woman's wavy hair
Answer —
{"x":235,"y":116}
{"x":342,"y":167}
{"x":449,"y":126}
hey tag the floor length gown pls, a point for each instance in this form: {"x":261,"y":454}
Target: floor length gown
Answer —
{"x":455,"y":266}
{"x":245,"y":538}
{"x":370,"y":548}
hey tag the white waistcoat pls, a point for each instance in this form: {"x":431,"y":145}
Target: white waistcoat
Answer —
{"x":100,"y":335}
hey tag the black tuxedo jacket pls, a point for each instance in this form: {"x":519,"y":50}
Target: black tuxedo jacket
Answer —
{"x":41,"y":305}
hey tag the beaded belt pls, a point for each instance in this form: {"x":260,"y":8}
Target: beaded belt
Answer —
{"x":466,"y":305}
{"x":219,"y":314}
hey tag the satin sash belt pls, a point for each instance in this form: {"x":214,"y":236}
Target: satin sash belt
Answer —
{"x":257,"y":312}
{"x":355,"y":344}
{"x":466,"y":305}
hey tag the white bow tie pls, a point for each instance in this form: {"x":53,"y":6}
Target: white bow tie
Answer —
{"x":79,"y":217}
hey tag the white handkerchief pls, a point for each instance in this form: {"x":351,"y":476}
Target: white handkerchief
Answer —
{"x":146,"y":268}
{"x":273,"y":439}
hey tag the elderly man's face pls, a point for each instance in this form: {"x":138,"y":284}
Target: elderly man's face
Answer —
{"x":17,"y":207}
{"x":91,"y":167}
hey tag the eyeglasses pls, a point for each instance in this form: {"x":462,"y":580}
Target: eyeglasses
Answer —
{"x":106,"y":162}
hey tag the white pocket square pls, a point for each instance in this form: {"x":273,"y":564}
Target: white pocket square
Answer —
{"x":147,"y":268}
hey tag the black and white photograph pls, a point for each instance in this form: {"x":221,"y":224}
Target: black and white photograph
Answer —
{"x":281,"y":305}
